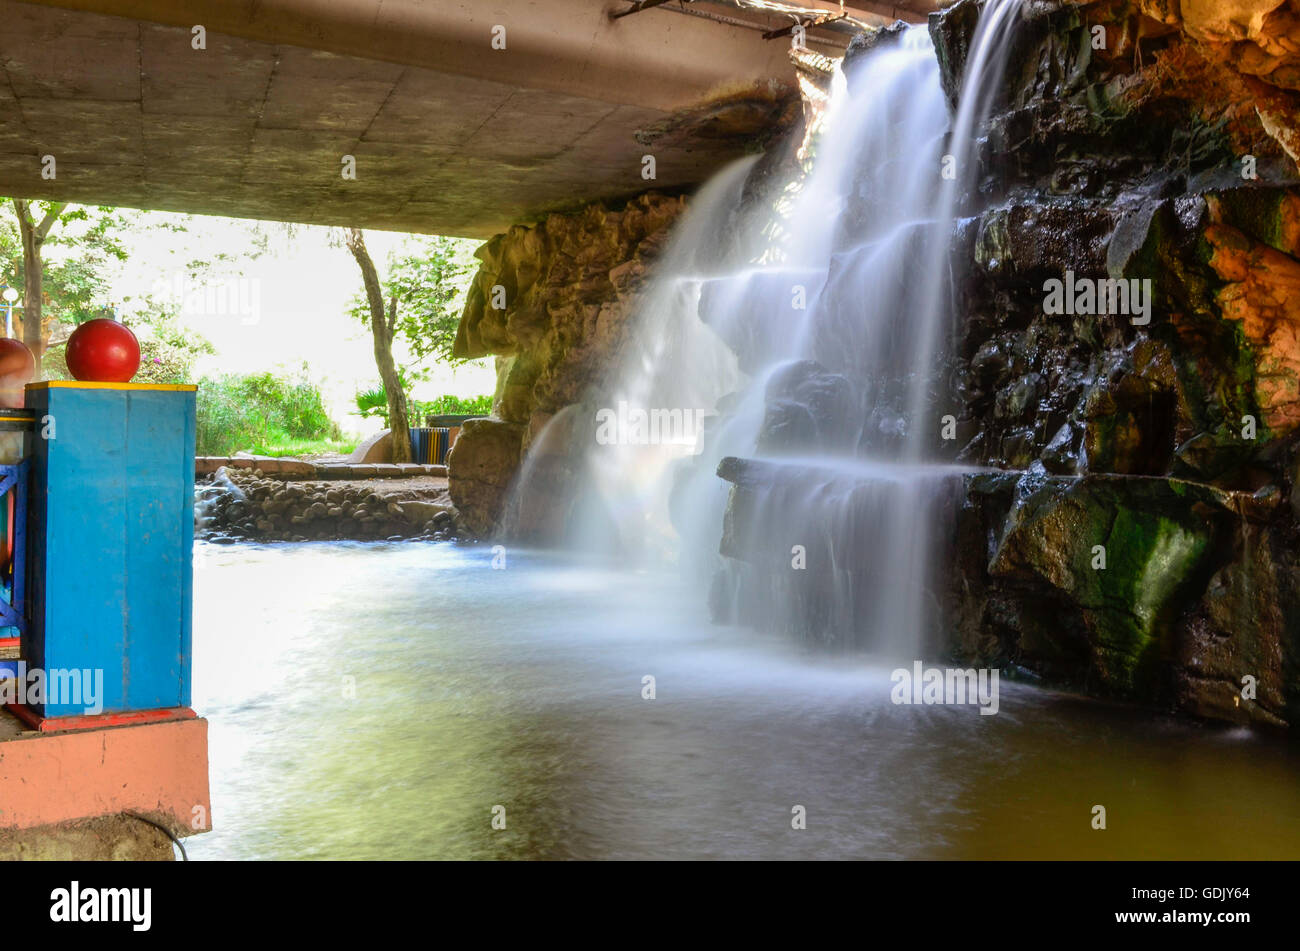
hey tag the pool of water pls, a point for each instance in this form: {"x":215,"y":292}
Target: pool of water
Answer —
{"x":377,"y":701}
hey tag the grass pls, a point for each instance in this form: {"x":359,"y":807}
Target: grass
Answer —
{"x":292,"y":446}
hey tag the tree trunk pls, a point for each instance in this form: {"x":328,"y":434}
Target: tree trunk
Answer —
{"x":33,"y":236}
{"x":382,"y":328}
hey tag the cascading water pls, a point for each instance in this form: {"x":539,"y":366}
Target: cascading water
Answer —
{"x":209,"y":499}
{"x":817,"y":335}
{"x":673,"y":363}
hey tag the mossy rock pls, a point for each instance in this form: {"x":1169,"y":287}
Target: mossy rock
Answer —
{"x":1119,"y":559}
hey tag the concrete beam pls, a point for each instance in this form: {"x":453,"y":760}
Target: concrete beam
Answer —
{"x":449,"y":134}
{"x":569,"y":46}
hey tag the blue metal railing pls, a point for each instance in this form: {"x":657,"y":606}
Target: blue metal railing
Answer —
{"x":13,"y":613}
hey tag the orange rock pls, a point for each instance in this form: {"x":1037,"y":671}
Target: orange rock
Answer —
{"x":1263,"y":294}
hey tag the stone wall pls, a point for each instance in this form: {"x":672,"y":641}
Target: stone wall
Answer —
{"x":304,"y":469}
{"x":568,"y":287}
{"x":254,"y":505}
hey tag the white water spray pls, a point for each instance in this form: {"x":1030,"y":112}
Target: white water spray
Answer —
{"x":822,"y":360}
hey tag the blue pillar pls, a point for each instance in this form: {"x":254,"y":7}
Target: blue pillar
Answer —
{"x":111,"y":528}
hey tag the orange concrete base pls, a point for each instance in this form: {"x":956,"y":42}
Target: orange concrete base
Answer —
{"x":159,"y":770}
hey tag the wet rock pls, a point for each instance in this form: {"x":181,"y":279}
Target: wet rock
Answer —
{"x":952,"y":30}
{"x":1101,"y":568}
{"x":1061,"y":455}
{"x":481,"y":467}
{"x":863,"y":43}
{"x":1034,"y":240}
{"x":1233,"y":646}
{"x":809,"y":409}
{"x":571,"y":286}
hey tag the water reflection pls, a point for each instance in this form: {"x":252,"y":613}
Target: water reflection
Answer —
{"x":476,"y":687}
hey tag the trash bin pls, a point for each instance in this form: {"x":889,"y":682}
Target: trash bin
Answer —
{"x":429,"y":444}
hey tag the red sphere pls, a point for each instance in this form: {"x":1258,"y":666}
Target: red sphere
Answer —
{"x":17,"y":367}
{"x":103,"y":351}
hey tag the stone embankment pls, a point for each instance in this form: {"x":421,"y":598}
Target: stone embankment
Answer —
{"x":305,"y":469}
{"x":251,"y":504}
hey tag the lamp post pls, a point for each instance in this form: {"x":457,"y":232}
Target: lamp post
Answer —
{"x":10,"y":295}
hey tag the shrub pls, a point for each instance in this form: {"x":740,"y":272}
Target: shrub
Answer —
{"x":374,"y":402}
{"x":168,"y":350}
{"x":448,"y":405}
{"x":260,"y":412}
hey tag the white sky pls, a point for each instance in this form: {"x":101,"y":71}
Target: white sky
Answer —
{"x":281,"y":309}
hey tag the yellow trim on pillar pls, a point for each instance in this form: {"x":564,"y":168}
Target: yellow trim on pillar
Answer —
{"x":91,"y":385}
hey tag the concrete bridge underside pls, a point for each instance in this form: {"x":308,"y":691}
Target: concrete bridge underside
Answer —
{"x":450,"y":135}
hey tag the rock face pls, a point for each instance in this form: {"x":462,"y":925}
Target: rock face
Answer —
{"x":1163,"y":449}
{"x":1255,"y":41}
{"x":552,"y":302}
{"x":481,"y":467}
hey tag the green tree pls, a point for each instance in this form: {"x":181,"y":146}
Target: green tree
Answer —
{"x":71,"y":289}
{"x":419,"y":303}
{"x":431,"y":281}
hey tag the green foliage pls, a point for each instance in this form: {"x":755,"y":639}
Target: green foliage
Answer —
{"x":289,"y":446}
{"x":78,"y":255}
{"x":374,"y":402}
{"x":448,"y":405}
{"x":428,"y":281}
{"x":168,"y":349}
{"x":263,"y":413}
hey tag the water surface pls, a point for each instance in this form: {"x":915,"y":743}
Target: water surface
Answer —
{"x":475,"y":687}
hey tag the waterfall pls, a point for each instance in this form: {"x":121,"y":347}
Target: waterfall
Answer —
{"x":815,"y":337}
